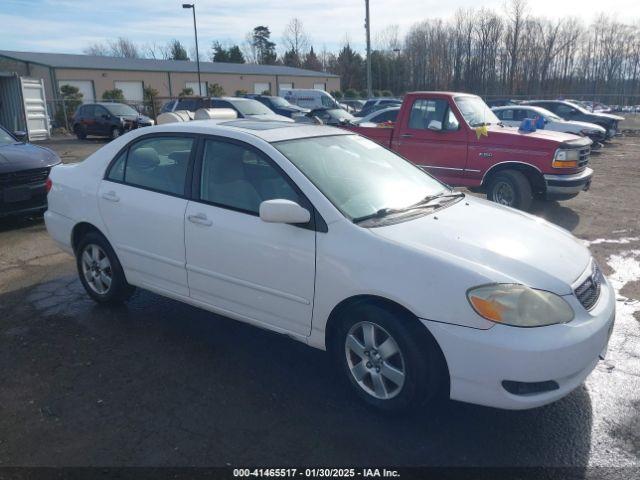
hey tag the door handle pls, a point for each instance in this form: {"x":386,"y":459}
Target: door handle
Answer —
{"x":111,"y":196}
{"x":200,"y":219}
{"x":406,"y":135}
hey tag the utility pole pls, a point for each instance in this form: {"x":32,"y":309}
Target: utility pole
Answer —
{"x":192,"y":6}
{"x":367,"y":26}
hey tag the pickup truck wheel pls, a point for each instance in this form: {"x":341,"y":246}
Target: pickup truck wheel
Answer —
{"x":389,"y":365}
{"x":100,"y":271}
{"x":510,"y":188}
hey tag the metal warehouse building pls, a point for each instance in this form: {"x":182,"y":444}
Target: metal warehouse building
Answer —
{"x":95,"y":74}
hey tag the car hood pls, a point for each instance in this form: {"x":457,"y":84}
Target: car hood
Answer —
{"x":294,"y":108}
{"x":135,"y":118}
{"x":25,"y":156}
{"x":586,"y":125}
{"x":270,"y":117}
{"x":507,"y":136}
{"x":609,"y":116}
{"x":505,"y":245}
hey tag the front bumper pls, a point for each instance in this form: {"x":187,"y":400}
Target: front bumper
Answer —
{"x":480,"y":360}
{"x":558,"y":185}
{"x":32,"y":200}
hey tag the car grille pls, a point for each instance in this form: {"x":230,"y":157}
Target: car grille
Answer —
{"x":588,"y":291}
{"x":584,"y":157}
{"x":24,"y":177}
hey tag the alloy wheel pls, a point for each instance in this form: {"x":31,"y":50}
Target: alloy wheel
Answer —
{"x":375,"y":360}
{"x":96,"y":269}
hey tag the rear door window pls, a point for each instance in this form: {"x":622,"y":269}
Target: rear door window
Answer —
{"x":158,"y":163}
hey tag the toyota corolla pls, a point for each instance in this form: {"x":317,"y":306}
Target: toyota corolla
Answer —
{"x":414,"y":289}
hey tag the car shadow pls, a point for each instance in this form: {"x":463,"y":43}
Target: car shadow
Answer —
{"x":20,"y":222}
{"x":157,"y":382}
{"x":557,"y":213}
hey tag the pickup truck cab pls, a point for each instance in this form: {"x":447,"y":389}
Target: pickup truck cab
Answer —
{"x":459,"y":140}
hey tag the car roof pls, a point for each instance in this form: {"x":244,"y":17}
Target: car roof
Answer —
{"x":269,"y":131}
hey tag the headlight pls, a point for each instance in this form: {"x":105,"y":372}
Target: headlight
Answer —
{"x":566,"y":158}
{"x":519,"y":305}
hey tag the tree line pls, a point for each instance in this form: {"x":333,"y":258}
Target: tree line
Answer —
{"x":493,"y":53}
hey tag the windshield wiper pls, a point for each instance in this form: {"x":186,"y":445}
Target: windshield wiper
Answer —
{"x":424,"y":203}
{"x":480,"y":124}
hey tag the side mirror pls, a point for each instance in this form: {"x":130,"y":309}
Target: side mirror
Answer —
{"x":435,"y":125}
{"x":283,"y":211}
{"x":21,"y":135}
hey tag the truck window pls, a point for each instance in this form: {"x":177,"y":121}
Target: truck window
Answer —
{"x":434,"y":113}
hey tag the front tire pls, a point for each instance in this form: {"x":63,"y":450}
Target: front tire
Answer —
{"x":115,"y":133}
{"x":390,"y":362}
{"x":510,"y":188}
{"x":100,"y":271}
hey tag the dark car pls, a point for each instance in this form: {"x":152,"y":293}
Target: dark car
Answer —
{"x":24,"y":169}
{"x":379,"y":103}
{"x":571,"y":111}
{"x":107,"y":120}
{"x":329,"y":116}
{"x":279,"y":105}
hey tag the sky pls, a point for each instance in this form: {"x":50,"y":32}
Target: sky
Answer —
{"x":68,"y":26}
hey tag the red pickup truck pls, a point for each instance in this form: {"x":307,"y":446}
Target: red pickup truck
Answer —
{"x":457,"y":138}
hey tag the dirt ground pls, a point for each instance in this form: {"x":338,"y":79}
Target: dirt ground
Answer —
{"x":159,"y":383}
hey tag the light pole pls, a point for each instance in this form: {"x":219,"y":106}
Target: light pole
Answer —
{"x":367,"y":25}
{"x":192,"y":6}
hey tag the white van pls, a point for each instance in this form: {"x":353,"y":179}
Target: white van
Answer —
{"x":309,"y":98}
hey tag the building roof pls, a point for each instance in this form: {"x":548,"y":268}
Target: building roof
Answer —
{"x":94,"y":62}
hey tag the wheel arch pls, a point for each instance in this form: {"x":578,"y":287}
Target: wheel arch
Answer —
{"x":533,"y":174}
{"x":80,"y":230}
{"x":414,"y":323}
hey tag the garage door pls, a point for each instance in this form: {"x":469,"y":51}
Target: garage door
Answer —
{"x":85,"y":87}
{"x":194,"y":86}
{"x":132,"y":91}
{"x":319,"y":86}
{"x":261,"y":87}
{"x":286,"y":86}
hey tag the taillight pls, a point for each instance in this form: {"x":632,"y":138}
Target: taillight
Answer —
{"x":48,"y":185}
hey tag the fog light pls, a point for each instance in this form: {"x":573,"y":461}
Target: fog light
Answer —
{"x":529,"y":388}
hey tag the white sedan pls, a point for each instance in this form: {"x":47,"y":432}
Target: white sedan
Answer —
{"x":513,"y":115}
{"x":317,"y":233}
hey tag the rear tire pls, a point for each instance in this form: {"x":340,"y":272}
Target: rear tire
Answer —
{"x":390,"y":362}
{"x":80,"y":131}
{"x":100,"y":271}
{"x":510,"y":188}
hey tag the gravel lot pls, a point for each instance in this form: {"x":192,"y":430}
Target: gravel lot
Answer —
{"x":157,"y":382}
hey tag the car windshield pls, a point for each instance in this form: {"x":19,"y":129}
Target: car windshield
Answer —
{"x":580,"y":108}
{"x":359,"y":176}
{"x":475,"y":111}
{"x":280,"y":102}
{"x":118,"y":109}
{"x":551,"y":116}
{"x":5,"y":138}
{"x":251,"y":107}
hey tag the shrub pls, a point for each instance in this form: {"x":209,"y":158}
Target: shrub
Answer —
{"x":240,"y":93}
{"x":186,"y":92}
{"x":350,"y":93}
{"x":337,"y":94}
{"x":115,"y":95}
{"x":387,"y":93}
{"x":151,"y":104}
{"x":216,"y":90}
{"x":72,"y":100}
